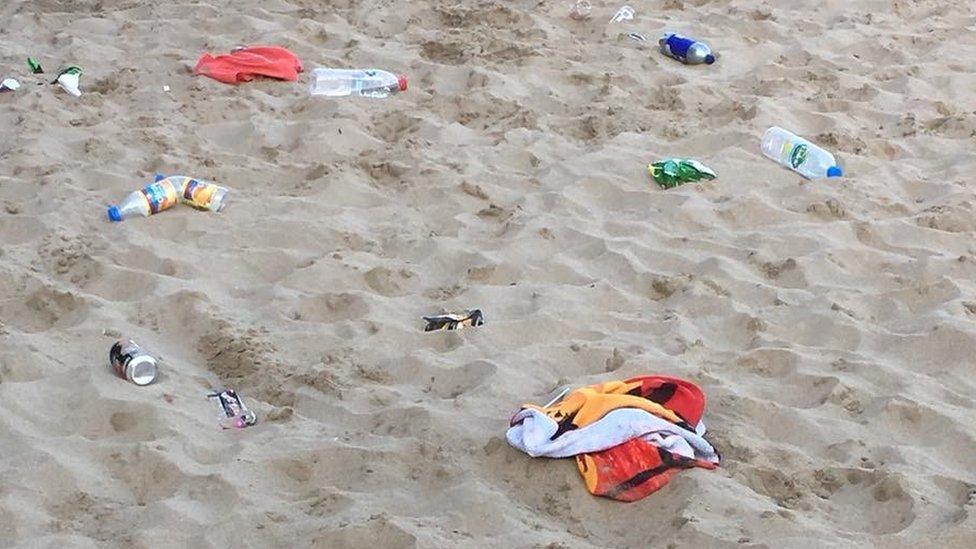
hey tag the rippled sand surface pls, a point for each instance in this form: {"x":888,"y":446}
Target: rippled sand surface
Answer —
{"x":830,"y":323}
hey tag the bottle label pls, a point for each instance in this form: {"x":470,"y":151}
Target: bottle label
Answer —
{"x":798,"y":155}
{"x":678,"y":45}
{"x":198,"y":194}
{"x":159,"y":196}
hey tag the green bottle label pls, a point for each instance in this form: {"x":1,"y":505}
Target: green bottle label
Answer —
{"x":798,"y":156}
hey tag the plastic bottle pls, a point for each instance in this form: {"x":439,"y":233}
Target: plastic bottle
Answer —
{"x":799,"y":155}
{"x":198,"y":194}
{"x":684,"y":49}
{"x":366,"y":83}
{"x":153,"y":198}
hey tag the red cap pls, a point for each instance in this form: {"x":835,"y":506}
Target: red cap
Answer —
{"x":402,"y":81}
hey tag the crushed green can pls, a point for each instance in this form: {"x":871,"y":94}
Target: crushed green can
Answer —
{"x":672,"y":172}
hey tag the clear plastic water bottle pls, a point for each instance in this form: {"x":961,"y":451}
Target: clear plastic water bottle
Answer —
{"x":365,"y":82}
{"x":799,"y":155}
{"x":151,"y":199}
{"x":687,"y":50}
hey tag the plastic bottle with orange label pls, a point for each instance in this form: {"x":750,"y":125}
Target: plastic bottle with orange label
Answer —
{"x":151,"y":199}
{"x":198,"y":194}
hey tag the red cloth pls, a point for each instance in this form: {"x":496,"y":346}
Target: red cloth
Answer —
{"x":632,"y":470}
{"x":678,"y":395}
{"x":243,"y":64}
{"x":638,"y":468}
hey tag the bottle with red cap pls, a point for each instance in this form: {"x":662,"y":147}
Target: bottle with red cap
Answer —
{"x":364,"y":82}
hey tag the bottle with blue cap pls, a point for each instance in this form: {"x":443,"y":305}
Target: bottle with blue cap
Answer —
{"x":799,"y":155}
{"x":161,"y":194}
{"x":687,"y":50}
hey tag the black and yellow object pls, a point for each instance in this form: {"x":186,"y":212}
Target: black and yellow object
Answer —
{"x":454,"y":321}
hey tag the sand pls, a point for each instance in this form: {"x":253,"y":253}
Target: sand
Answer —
{"x":830,"y":323}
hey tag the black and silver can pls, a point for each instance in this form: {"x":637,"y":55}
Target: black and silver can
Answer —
{"x":132,"y":363}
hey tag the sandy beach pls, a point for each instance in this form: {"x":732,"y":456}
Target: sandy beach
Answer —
{"x":831,"y":323}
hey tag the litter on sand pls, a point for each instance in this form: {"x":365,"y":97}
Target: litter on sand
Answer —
{"x":164,"y":193}
{"x":625,"y":13}
{"x":34,"y":66}
{"x":243,"y":64}
{"x":581,"y":10}
{"x":9,"y":84}
{"x":232,"y":413}
{"x":132,"y":363}
{"x":454,"y":321}
{"x":629,"y":437}
{"x":69,"y":80}
{"x":687,"y":50}
{"x":374,"y":83}
{"x":196,"y":193}
{"x":677,"y":171}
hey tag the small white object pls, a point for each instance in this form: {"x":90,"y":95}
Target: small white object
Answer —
{"x":625,"y":13}
{"x":558,"y":397}
{"x":10,"y":84}
{"x":70,"y":82}
{"x":165,"y":88}
{"x":581,"y":10}
{"x":637,"y":36}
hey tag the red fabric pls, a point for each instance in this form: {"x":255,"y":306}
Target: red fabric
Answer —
{"x":632,"y":470}
{"x":637,"y":468}
{"x":678,"y":395}
{"x":244,"y":64}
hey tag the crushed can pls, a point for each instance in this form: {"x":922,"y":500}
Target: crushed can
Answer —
{"x":132,"y":363}
{"x":232,"y":414}
{"x":454,"y":321}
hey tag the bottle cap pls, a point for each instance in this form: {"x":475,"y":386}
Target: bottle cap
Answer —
{"x":114,"y":214}
{"x":709,"y":59}
{"x":402,"y":81}
{"x":835,"y":171}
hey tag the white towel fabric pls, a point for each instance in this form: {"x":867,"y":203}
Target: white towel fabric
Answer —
{"x":532,"y":433}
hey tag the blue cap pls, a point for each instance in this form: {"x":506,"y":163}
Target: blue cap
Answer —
{"x":114,"y":214}
{"x":835,"y":171}
{"x":709,"y":59}
{"x":158,"y":177}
